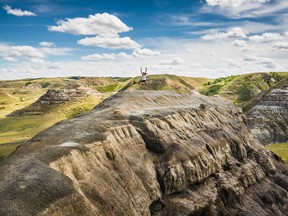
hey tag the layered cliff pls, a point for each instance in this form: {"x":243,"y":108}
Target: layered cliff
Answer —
{"x":268,"y":118}
{"x":146,"y":153}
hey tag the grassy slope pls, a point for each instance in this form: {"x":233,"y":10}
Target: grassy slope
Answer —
{"x":18,"y":94}
{"x":15,"y":130}
{"x":246,"y":89}
{"x":280,"y":149}
{"x":166,"y":82}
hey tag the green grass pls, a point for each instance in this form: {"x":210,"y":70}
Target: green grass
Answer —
{"x":7,"y":149}
{"x":108,"y":88}
{"x":246,"y":89}
{"x":280,"y":149}
{"x":17,"y":129}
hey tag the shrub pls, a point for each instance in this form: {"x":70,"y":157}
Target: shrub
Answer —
{"x":28,"y":83}
{"x":45,"y":84}
{"x":245,"y":93}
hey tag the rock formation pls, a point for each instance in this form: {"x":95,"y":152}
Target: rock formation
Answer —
{"x":268,"y":119}
{"x":146,"y":153}
{"x":52,"y":98}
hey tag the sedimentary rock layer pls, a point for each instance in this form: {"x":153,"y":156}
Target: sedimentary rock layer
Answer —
{"x":268,"y":119}
{"x":146,"y":153}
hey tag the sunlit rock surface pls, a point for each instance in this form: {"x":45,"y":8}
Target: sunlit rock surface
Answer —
{"x":146,"y":153}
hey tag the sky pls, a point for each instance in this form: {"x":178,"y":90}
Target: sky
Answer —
{"x":196,"y":38}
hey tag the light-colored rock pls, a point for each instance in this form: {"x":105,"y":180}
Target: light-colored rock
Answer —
{"x":146,"y":153}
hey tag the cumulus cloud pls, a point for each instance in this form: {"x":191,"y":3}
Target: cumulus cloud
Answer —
{"x":54,"y":51}
{"x":103,"y":25}
{"x":97,"y":57}
{"x":145,"y":53}
{"x":14,"y":53}
{"x":266,"y":37}
{"x":266,"y":62}
{"x":29,"y":53}
{"x":239,"y":43}
{"x":111,"y":43}
{"x":230,"y":34}
{"x":238,"y":8}
{"x":174,"y":61}
{"x":18,"y":12}
{"x":46,"y":44}
{"x":136,"y":53}
{"x":281,"y":46}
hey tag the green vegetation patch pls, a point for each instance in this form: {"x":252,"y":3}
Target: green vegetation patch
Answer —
{"x":108,"y":88}
{"x":121,"y":79}
{"x":213,"y":87}
{"x":7,"y":149}
{"x":280,"y":149}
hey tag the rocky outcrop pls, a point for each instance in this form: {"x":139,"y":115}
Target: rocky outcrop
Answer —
{"x":52,"y":98}
{"x":268,"y":119}
{"x":146,"y":153}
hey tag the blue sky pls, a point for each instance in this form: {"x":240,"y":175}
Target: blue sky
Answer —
{"x":200,"y":38}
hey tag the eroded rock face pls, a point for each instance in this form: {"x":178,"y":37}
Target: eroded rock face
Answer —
{"x":268,"y":119}
{"x":52,"y":98}
{"x":146,"y":153}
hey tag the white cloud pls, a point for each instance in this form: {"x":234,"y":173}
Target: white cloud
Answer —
{"x":265,"y":37}
{"x":46,"y":44}
{"x":230,"y":34}
{"x":195,"y":65}
{"x":13,"y":53}
{"x":266,"y":62}
{"x":97,"y":57}
{"x":174,"y":61}
{"x":18,"y":12}
{"x":236,"y":3}
{"x":111,"y":43}
{"x":29,"y":53}
{"x":103,"y":25}
{"x":246,"y":8}
{"x":145,"y":52}
{"x":124,"y":55}
{"x":213,"y":59}
{"x":54,"y":51}
{"x":136,"y":53}
{"x":281,"y":46}
{"x":239,"y":43}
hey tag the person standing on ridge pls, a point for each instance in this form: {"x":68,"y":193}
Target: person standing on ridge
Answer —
{"x":143,"y":76}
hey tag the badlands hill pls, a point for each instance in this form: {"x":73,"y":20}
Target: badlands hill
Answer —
{"x":29,"y":106}
{"x":146,"y":153}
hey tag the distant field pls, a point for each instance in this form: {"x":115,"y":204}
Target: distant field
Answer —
{"x":18,"y":129}
{"x":280,"y":149}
